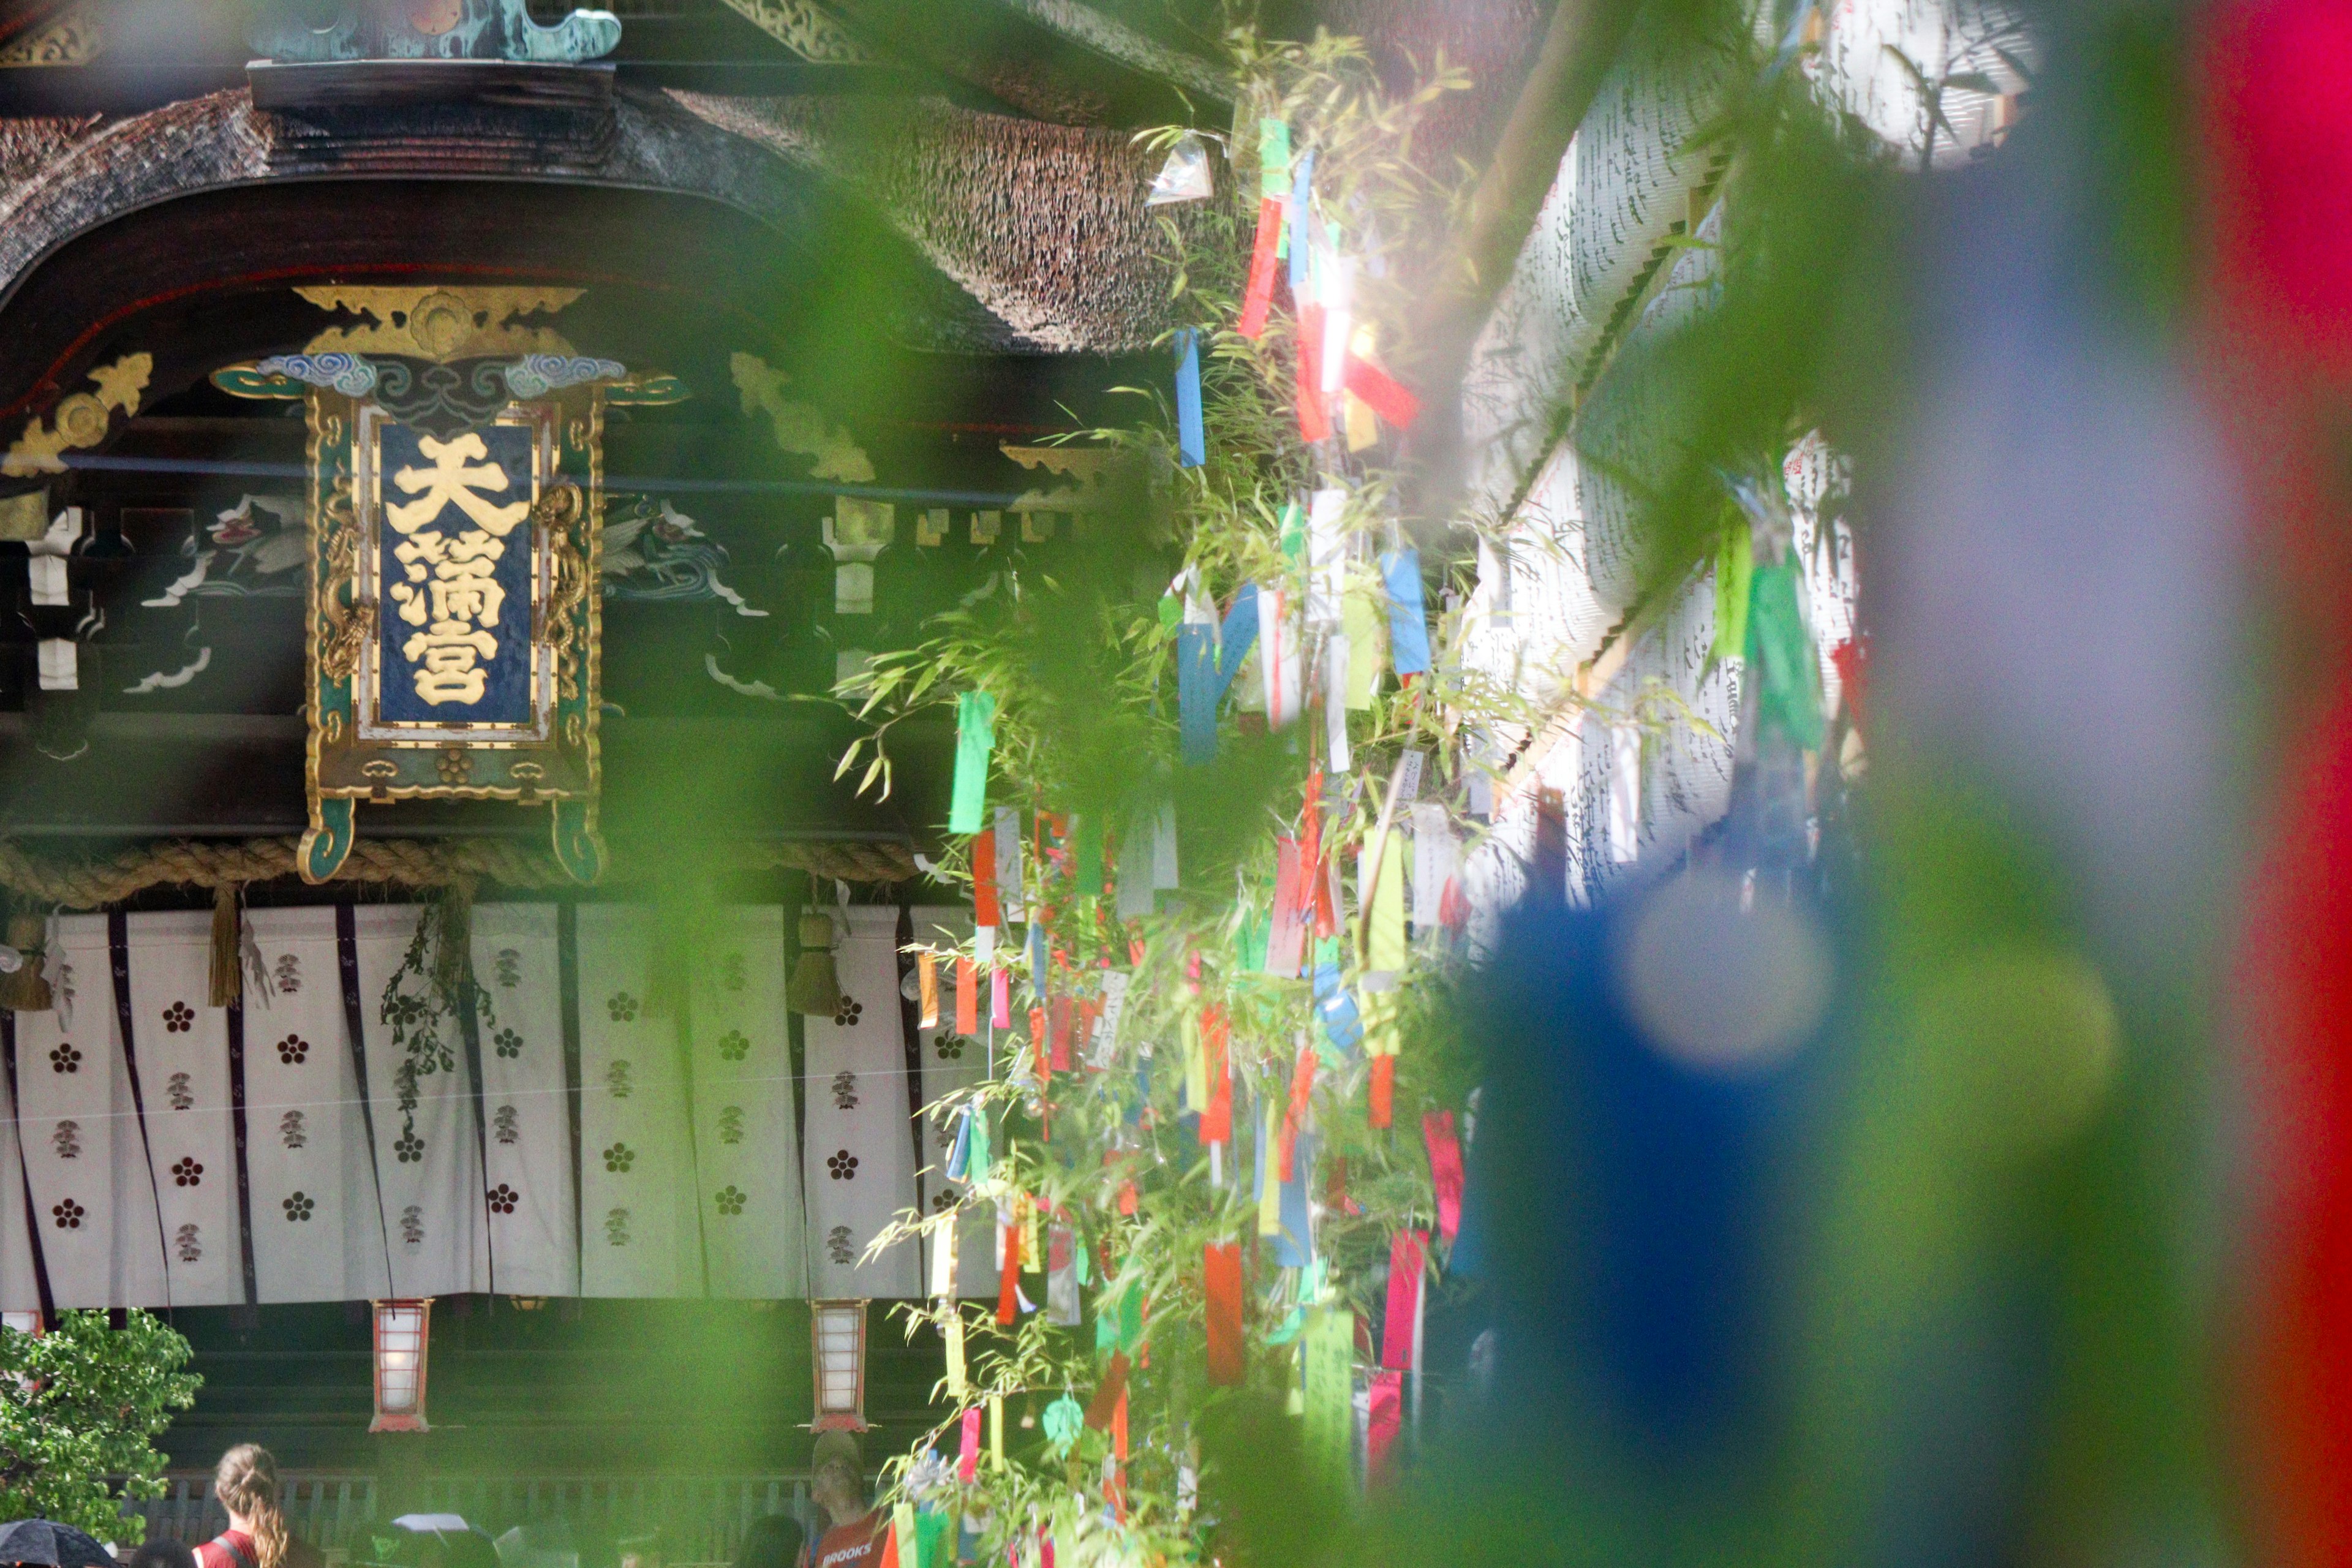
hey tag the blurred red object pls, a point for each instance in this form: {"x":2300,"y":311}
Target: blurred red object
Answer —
{"x":2277,"y":96}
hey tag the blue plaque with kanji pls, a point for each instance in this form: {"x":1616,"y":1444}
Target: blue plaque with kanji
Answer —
{"x":456,"y":505}
{"x":454,"y":547}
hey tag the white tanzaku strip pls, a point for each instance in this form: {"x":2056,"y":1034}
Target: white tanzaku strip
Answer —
{"x":954,"y":1062}
{"x":746,"y":1150}
{"x":316,"y":1232}
{"x":182,"y":1045}
{"x":859,"y":1160}
{"x":534,"y":1241}
{"x":424,"y":1114}
{"x":640,"y":1234}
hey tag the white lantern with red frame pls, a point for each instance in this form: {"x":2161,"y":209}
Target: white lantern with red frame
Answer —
{"x":837,"y":1334}
{"x":402,"y":1332}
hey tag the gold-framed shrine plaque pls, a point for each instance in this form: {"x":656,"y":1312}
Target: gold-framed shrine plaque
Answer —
{"x":455,"y":512}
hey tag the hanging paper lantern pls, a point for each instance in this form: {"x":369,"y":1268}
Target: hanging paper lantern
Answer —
{"x":403,"y":1332}
{"x":838,"y":1330}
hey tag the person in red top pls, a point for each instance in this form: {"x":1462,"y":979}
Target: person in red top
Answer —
{"x":854,"y":1539}
{"x":247,"y":1484}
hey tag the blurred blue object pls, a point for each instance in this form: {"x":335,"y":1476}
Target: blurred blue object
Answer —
{"x":1633,"y":1155}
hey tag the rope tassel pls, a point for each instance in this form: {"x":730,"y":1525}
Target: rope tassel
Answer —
{"x":228,"y":968}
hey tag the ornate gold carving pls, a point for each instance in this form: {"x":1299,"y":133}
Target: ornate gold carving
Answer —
{"x":81,"y":420}
{"x":25,"y":517}
{"x":75,"y":38}
{"x":349,"y":626}
{"x":1088,"y":466}
{"x":800,"y":428}
{"x":806,"y":29}
{"x":437,"y":323}
{"x":559,"y":512}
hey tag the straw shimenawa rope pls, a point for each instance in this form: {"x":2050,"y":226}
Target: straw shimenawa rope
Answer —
{"x":88,"y":884}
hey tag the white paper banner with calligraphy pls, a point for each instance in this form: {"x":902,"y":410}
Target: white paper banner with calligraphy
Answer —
{"x":642,"y":1234}
{"x":534,"y":1249}
{"x":317,"y":1232}
{"x":424,"y":1112}
{"x":183,"y":1071}
{"x":859,"y":1164}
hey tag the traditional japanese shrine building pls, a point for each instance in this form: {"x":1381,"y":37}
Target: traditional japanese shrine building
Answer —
{"x":443,"y":444}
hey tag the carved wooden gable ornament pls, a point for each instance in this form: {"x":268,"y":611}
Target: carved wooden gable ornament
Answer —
{"x":323,"y":30}
{"x":456,"y":508}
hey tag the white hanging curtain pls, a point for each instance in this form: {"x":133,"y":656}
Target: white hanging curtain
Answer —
{"x":859,"y":1162}
{"x":423,"y":1106}
{"x":748,"y":1151}
{"x":180,"y":1044}
{"x":951,"y":1062}
{"x":318,"y":1228}
{"x":19,"y":1286}
{"x":534,"y":1239}
{"x":66,"y":1073}
{"x":642,"y":1231}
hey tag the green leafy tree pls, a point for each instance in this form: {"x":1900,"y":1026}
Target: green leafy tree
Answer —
{"x":79,"y":1409}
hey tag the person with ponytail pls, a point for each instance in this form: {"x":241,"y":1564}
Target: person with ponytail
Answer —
{"x":257,"y":1537}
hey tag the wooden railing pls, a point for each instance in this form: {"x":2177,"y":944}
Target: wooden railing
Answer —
{"x":701,"y":1519}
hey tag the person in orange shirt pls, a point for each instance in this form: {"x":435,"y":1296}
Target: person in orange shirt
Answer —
{"x":855,"y":1531}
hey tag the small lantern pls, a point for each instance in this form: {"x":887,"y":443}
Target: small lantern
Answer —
{"x":838,"y":1329}
{"x":401,"y":1330}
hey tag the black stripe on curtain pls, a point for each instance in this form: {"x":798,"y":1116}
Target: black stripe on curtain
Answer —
{"x":25,"y":1172}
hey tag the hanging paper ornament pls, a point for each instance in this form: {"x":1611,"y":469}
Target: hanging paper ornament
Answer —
{"x":1381,"y":393}
{"x":1781,"y":658}
{"x":958,"y":1166}
{"x":1281,"y":658}
{"x":1008,"y":864}
{"x":926,"y":984}
{"x":1062,"y":1253}
{"x":986,"y":913}
{"x":1335,"y":289}
{"x":1735,"y":566}
{"x":1294,"y":1118}
{"x":1185,"y":177}
{"x":1302,"y":225}
{"x":1329,"y":1427}
{"x":1444,"y":1170}
{"x":1326,"y":556}
{"x":1192,"y":443}
{"x":1063,"y":1421}
{"x":1407,"y":621}
{"x":1221,"y":1288}
{"x":1268,"y":1123}
{"x":967,"y":996}
{"x":1108,"y":1392}
{"x":975,"y":740}
{"x":1217,"y":1115}
{"x":1274,"y":192}
{"x":1314,"y":418}
{"x":1336,"y":1011}
{"x":1383,"y":1421}
{"x":1273,"y":157}
{"x":1366,"y":629}
{"x":976,"y":1166}
{"x":1408,"y":1254}
{"x":1285,"y":947}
